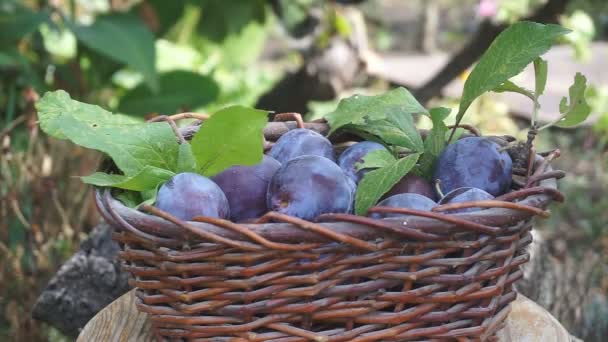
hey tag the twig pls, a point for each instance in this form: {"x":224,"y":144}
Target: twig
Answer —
{"x":19,"y":213}
{"x":12,"y":125}
{"x":188,"y":115}
{"x":471,"y":52}
{"x":173,"y":125}
{"x":297,"y":117}
{"x":468,"y":127}
{"x":491,"y":204}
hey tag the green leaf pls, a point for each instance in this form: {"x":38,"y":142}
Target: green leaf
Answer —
{"x":168,"y":13}
{"x":185,"y":159}
{"x":376,"y":183}
{"x":129,"y":198}
{"x":540,"y":76}
{"x":221,"y":19}
{"x":577,"y":110}
{"x":435,"y":140}
{"x":132,"y":144}
{"x":387,"y":116}
{"x":178,"y":89}
{"x":361,"y":109}
{"x":232,"y":136}
{"x":148,"y":178}
{"x":507,"y":56}
{"x":18,"y":21}
{"x":149,"y":196}
{"x":376,"y":159}
{"x":124,"y":38}
{"x":397,"y":129}
{"x":509,"y":86}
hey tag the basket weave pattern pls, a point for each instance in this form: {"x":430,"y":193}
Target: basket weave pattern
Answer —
{"x":342,"y":278}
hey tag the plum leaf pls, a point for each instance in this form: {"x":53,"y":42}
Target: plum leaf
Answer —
{"x":376,"y":159}
{"x":507,"y":56}
{"x":377,"y":182}
{"x":540,"y":76}
{"x":186,"y":162}
{"x":435,"y":140}
{"x":577,"y":109}
{"x":148,"y":178}
{"x":130,"y":143}
{"x":514,"y":88}
{"x":387,"y":116}
{"x":232,"y":136}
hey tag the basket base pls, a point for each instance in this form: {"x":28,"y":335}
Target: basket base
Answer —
{"x":121,"y":321}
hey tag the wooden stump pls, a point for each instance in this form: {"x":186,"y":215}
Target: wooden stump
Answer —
{"x":120,"y":321}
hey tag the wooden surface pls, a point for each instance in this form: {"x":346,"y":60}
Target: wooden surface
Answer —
{"x":120,"y":321}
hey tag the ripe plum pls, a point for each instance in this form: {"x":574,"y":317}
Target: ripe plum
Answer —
{"x":465,"y":194}
{"x":353,"y":155}
{"x":309,"y":186}
{"x":410,"y":201}
{"x":411,"y":183}
{"x":474,"y":162}
{"x":246,"y":187}
{"x":300,"y":142}
{"x":187,"y":195}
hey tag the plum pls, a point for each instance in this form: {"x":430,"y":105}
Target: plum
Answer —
{"x":409,"y":200}
{"x":309,"y":186}
{"x":187,"y":195}
{"x":465,"y":194}
{"x":474,"y":162}
{"x":246,"y":187}
{"x":353,"y":155}
{"x":300,"y":142}
{"x":411,"y":183}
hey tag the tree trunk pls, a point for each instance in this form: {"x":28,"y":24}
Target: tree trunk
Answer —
{"x":85,"y":284}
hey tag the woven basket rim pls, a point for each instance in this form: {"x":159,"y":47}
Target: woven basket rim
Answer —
{"x":493,"y":217}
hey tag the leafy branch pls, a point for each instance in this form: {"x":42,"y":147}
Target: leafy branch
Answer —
{"x":388,"y":119}
{"x":148,"y":154}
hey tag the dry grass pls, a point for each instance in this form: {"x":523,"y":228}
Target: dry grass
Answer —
{"x":44,"y":214}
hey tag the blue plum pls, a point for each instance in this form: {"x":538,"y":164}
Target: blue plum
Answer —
{"x":474,"y":162}
{"x":187,"y":195}
{"x":411,"y":183}
{"x":466,"y":194}
{"x":246,"y":187}
{"x":353,"y":155}
{"x":309,"y":186}
{"x":301,"y":142}
{"x":410,"y":201}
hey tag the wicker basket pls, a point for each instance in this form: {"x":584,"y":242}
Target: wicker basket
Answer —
{"x":342,"y":278}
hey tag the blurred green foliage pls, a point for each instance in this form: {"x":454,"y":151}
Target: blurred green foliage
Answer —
{"x":146,"y":57}
{"x":139,"y":58}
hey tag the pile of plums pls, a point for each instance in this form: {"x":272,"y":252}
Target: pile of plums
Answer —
{"x":300,"y":177}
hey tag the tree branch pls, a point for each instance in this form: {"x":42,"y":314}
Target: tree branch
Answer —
{"x":471,"y":52}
